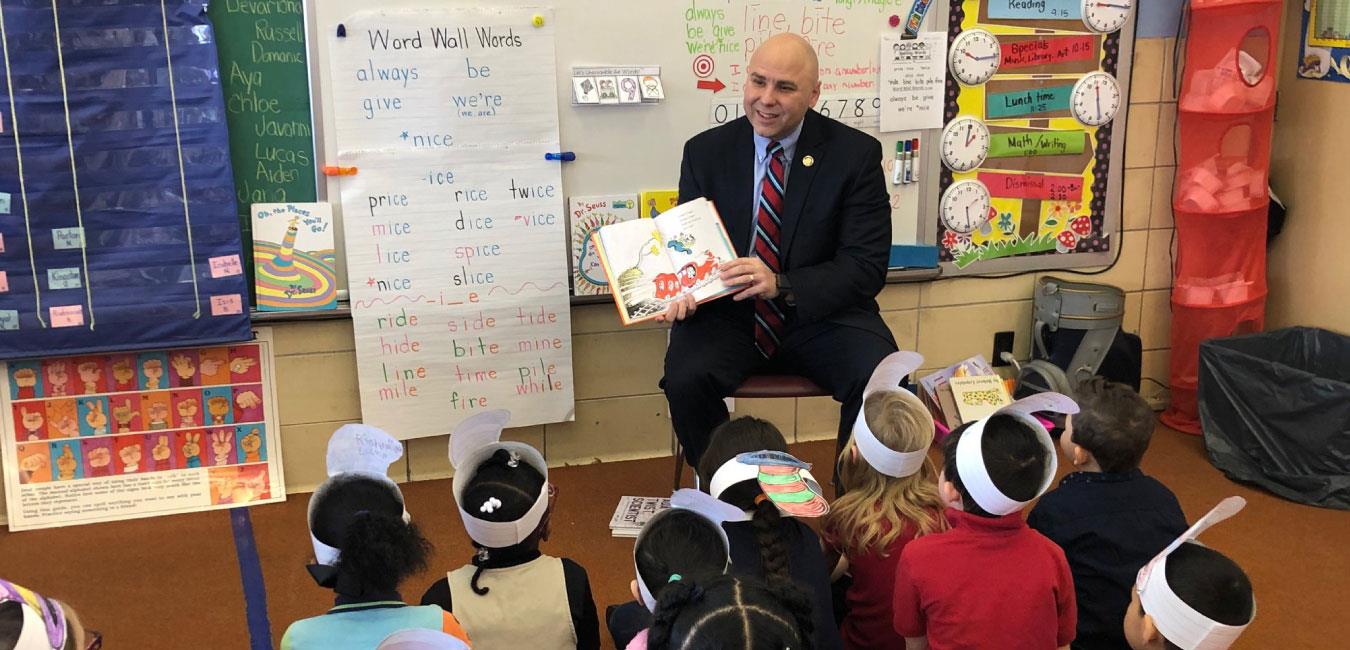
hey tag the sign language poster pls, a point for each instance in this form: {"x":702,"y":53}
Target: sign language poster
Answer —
{"x":138,"y":434}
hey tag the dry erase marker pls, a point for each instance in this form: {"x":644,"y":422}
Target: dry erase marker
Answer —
{"x":897,"y":172}
{"x":909,"y":161}
{"x":914,"y":177}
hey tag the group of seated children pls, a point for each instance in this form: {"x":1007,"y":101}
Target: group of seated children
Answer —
{"x":921,"y":557}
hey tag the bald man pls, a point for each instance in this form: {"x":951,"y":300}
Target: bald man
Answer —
{"x":804,"y":200}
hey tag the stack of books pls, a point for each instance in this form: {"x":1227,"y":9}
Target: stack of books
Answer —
{"x":633,"y":513}
{"x":964,"y":392}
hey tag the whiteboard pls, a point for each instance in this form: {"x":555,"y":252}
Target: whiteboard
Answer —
{"x":628,"y":148}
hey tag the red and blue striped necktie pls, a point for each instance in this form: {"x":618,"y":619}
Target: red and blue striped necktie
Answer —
{"x":769,"y":321}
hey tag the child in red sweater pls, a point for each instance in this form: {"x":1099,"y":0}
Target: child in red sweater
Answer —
{"x":891,"y":499}
{"x":990,"y":581}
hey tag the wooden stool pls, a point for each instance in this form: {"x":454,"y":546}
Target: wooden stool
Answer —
{"x":760,"y":386}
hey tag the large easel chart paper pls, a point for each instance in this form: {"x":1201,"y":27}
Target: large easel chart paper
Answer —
{"x":454,"y":222}
{"x":114,"y":166}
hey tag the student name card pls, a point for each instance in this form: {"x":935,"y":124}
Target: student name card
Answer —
{"x":454,"y":221}
{"x":913,"y":80}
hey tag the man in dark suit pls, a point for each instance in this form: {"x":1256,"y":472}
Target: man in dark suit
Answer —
{"x":804,"y":200}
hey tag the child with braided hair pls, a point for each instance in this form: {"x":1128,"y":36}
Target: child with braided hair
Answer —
{"x":511,"y":595}
{"x":732,"y":613}
{"x":746,"y":466}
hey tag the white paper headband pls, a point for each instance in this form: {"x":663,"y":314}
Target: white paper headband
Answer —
{"x":355,"y":449}
{"x":970,"y":451}
{"x":1176,"y":621}
{"x":716,"y":512}
{"x":475,"y":440}
{"x":887,"y":377}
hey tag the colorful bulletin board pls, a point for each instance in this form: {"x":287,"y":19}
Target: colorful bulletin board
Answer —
{"x":120,"y":436}
{"x":1033,"y":146}
{"x":1325,"y":49}
{"x":117,"y":214}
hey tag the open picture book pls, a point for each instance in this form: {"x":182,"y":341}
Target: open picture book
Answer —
{"x":650,"y":262}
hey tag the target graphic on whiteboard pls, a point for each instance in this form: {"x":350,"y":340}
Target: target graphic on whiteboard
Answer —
{"x":703,"y":66}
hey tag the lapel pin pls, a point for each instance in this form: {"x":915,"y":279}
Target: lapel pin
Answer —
{"x":807,"y":161}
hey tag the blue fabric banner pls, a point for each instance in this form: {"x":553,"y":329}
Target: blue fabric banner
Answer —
{"x":120,"y":231}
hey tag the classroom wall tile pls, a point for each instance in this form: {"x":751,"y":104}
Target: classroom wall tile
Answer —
{"x":1146,"y":71}
{"x":617,"y":364}
{"x":900,"y":296}
{"x":1167,"y":92}
{"x":964,"y":291}
{"x":1128,"y":272}
{"x":1142,"y":135}
{"x":904,"y":327}
{"x":1155,"y":330}
{"x":1133,"y":305}
{"x":1158,"y":265}
{"x":317,"y":388}
{"x":1137,"y":199}
{"x":817,"y":419}
{"x":1155,"y":366}
{"x":308,"y":337}
{"x":1165,"y":153}
{"x":304,"y":450}
{"x":781,"y":412}
{"x":429,"y":458}
{"x":1160,"y":216}
{"x":950,"y":334}
{"x":618,"y":428}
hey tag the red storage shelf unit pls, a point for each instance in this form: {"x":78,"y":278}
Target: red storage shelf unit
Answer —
{"x":1225,"y":116}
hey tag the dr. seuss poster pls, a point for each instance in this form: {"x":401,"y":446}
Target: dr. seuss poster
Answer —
{"x":585,"y":214}
{"x":294,"y":257}
{"x":137,"y":434}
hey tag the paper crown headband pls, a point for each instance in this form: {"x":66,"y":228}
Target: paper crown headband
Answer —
{"x":44,"y":622}
{"x":471,"y":443}
{"x":970,"y":451}
{"x":786,"y":481}
{"x":887,"y":377}
{"x":716,"y":512}
{"x":1176,"y":621}
{"x":357,"y":454}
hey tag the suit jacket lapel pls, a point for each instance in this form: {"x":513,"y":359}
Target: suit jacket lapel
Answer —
{"x":738,"y":213}
{"x":810,"y":143}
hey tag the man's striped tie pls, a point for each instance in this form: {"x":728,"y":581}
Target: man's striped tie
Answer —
{"x":769,"y":321}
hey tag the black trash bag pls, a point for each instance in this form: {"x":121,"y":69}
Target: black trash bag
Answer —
{"x":1275,"y":408}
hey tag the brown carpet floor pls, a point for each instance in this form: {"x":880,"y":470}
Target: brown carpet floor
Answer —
{"x":173,"y":582}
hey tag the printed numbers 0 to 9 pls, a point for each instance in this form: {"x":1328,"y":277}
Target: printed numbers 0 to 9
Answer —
{"x":853,"y":110}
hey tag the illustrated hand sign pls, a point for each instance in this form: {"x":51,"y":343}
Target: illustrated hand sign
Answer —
{"x":66,"y":464}
{"x":221,"y":446}
{"x":89,"y":374}
{"x":187,"y":413}
{"x":184,"y":367}
{"x":154,"y":371}
{"x":124,"y":414}
{"x":210,"y":367}
{"x":32,"y":422}
{"x":192,"y":449}
{"x":66,"y":427}
{"x":96,"y":418}
{"x":247,"y":399}
{"x":100,"y":457}
{"x":122,"y":371}
{"x":25,"y":377}
{"x":161,"y":450}
{"x":251,"y":443}
{"x":240,"y":365}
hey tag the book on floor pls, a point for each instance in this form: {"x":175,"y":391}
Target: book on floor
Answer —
{"x":633,"y":513}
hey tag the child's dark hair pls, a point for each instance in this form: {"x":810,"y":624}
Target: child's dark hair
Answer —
{"x":513,"y":485}
{"x":380,"y":550}
{"x":1013,"y":456}
{"x":1211,"y":584}
{"x":731,"y":612}
{"x":1113,"y":422}
{"x":736,"y":437}
{"x":679,"y":542}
